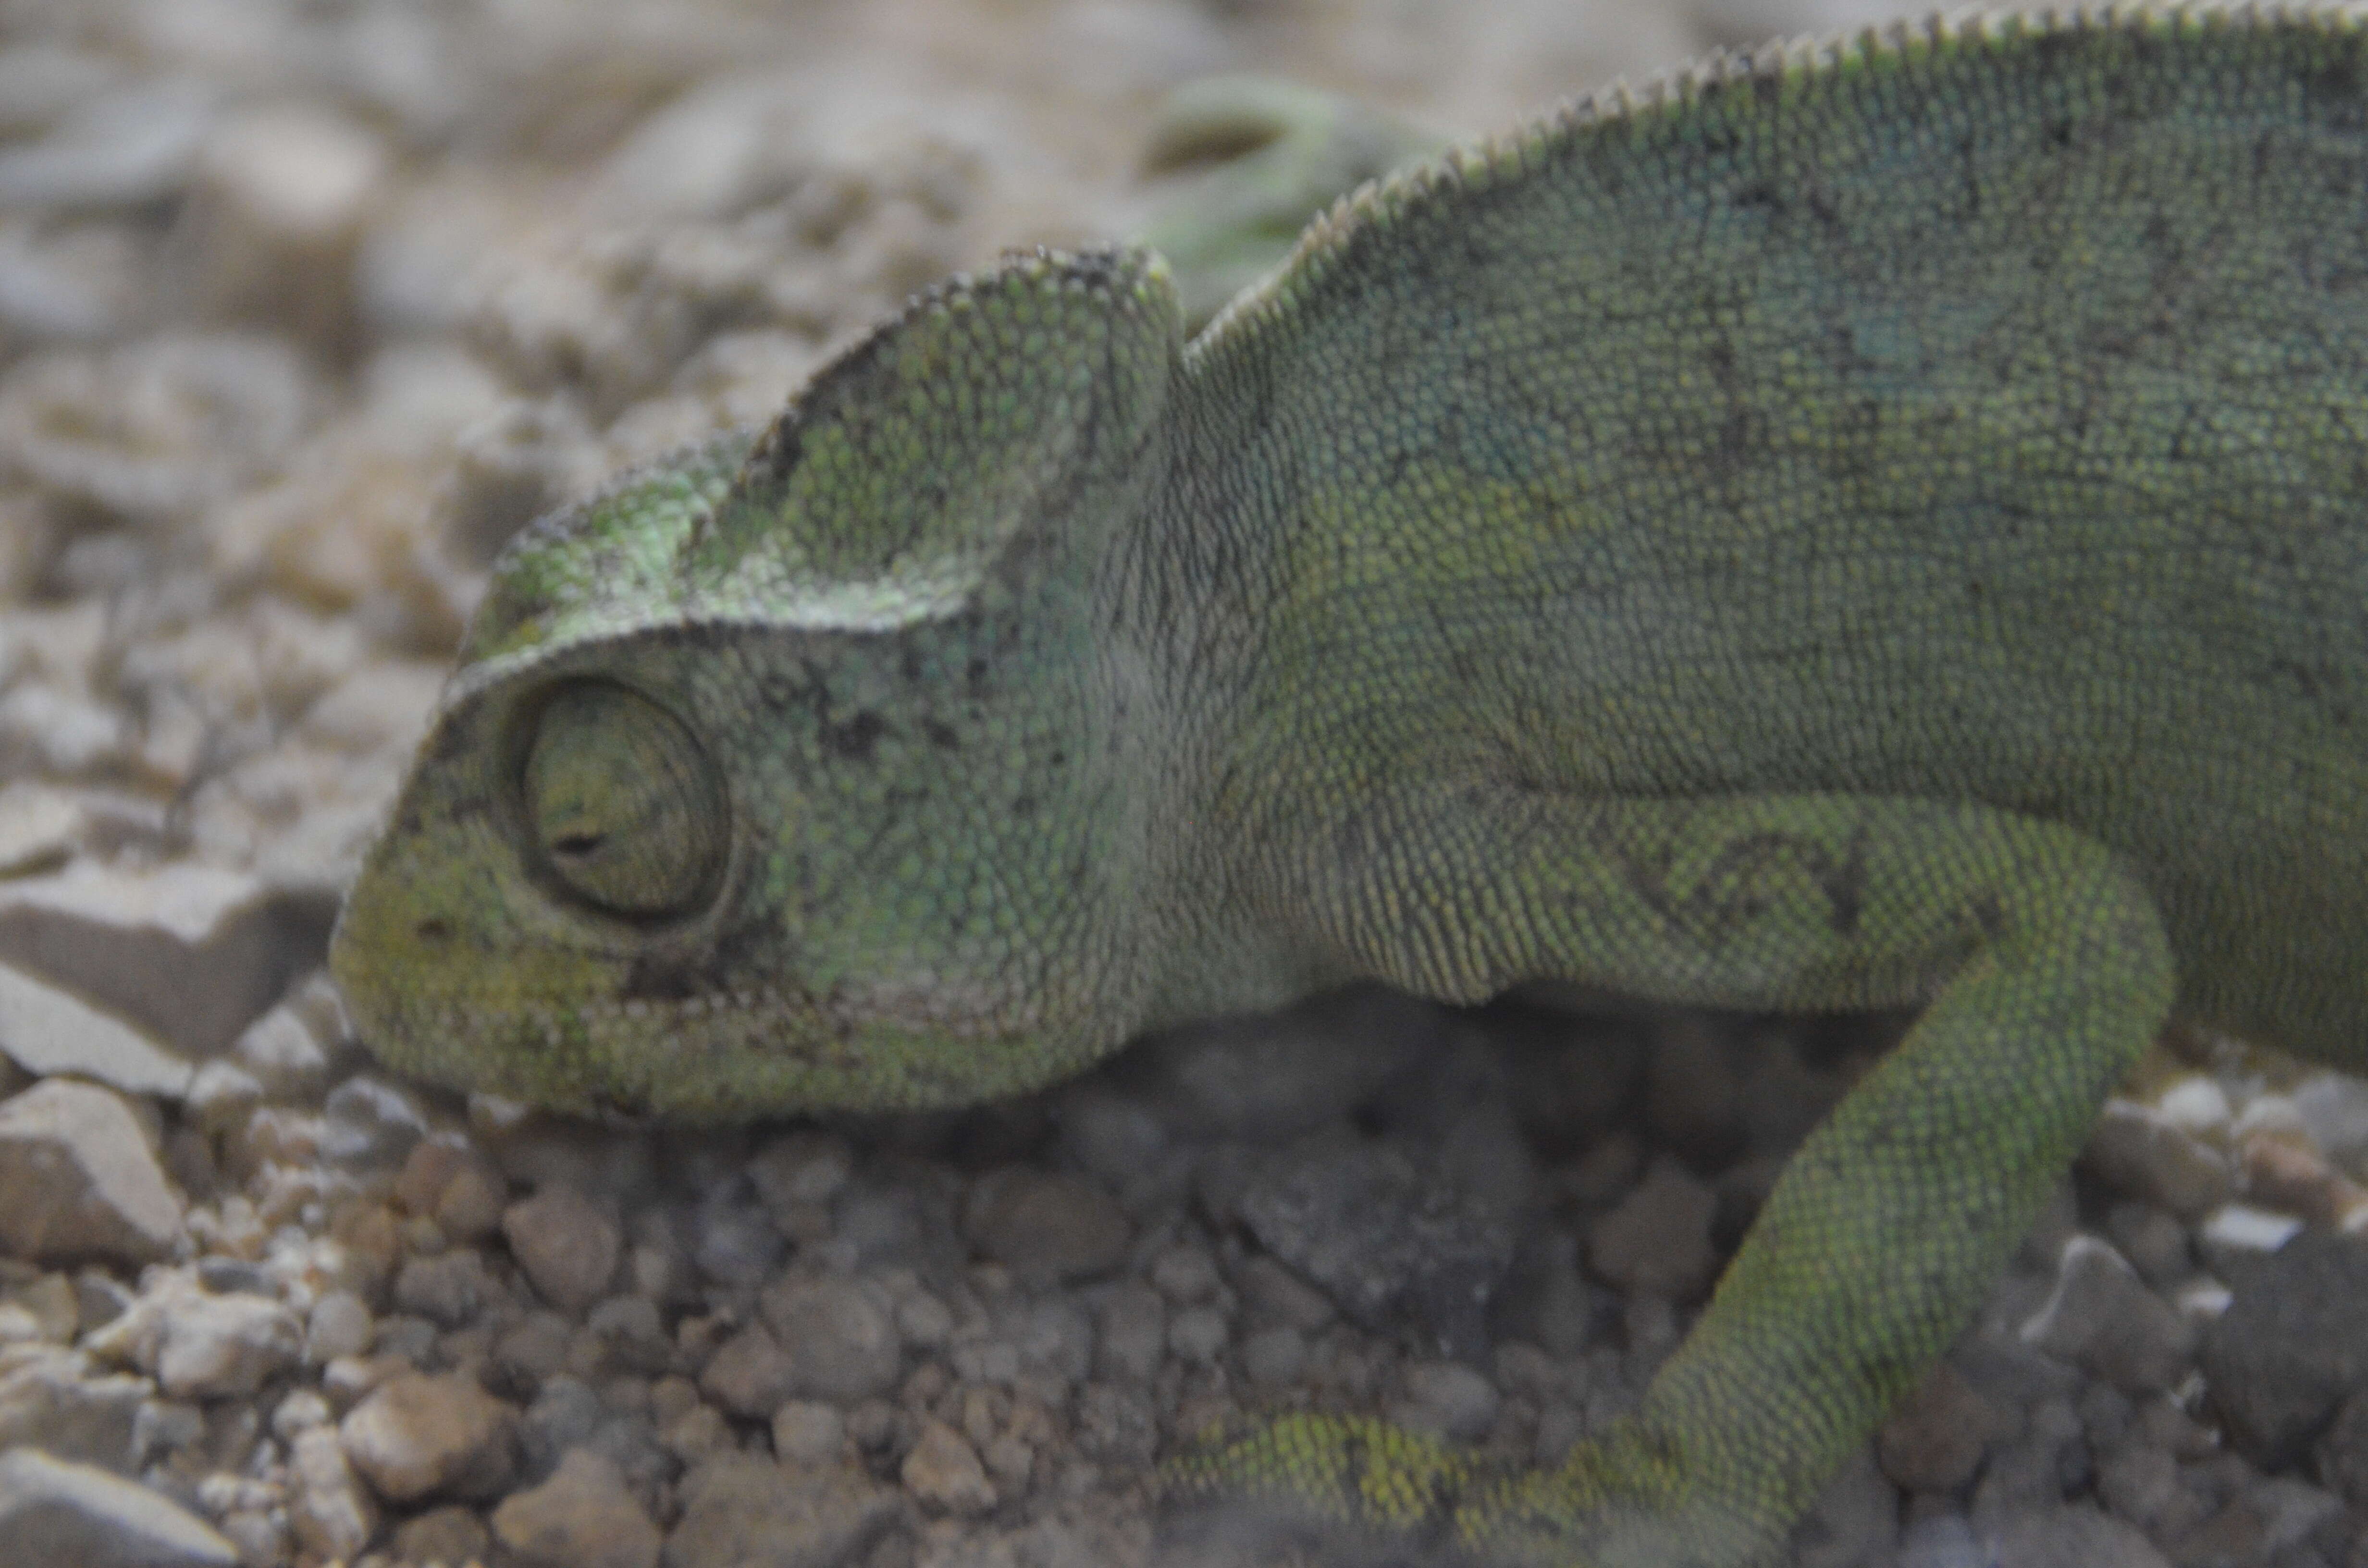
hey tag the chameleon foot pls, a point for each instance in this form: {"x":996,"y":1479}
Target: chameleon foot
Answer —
{"x":1389,"y":1495}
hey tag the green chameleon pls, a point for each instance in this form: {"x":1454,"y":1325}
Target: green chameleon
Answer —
{"x":1865,"y":526}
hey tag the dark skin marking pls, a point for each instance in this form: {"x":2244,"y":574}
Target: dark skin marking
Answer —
{"x":1727,"y":895}
{"x":856,"y":739}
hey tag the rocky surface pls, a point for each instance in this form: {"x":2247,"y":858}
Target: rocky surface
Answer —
{"x":304,"y":309}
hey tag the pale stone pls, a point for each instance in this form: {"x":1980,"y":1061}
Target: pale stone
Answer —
{"x":274,"y":210}
{"x":328,"y":1508}
{"x":738,"y":1508}
{"x":566,"y":1244}
{"x":1658,"y":1238}
{"x":190,"y":952}
{"x":218,"y":1347}
{"x":78,"y":1178}
{"x":1046,"y":1226}
{"x":583,"y":1517}
{"x":48,"y":1031}
{"x":158,"y":427}
{"x":39,"y":827}
{"x":944,"y":1472}
{"x":416,"y":1436}
{"x":60,"y":1400}
{"x":54,"y":1511}
{"x":842,"y":1343}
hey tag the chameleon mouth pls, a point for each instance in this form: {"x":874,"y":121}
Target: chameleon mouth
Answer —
{"x":728,"y":1057}
{"x":593,"y":1030}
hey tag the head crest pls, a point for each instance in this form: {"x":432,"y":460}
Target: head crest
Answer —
{"x":936,"y":446}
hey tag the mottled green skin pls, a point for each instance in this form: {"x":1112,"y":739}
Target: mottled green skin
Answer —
{"x":1873,"y":527}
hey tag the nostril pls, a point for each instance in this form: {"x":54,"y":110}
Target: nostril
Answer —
{"x":577,"y":844}
{"x":433,"y":931}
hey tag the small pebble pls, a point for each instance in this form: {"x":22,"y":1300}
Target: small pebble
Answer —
{"x":54,"y":1511}
{"x":566,"y":1245}
{"x":943,"y":1472}
{"x":1656,"y":1239}
{"x":329,"y":1510}
{"x":78,"y":1178}
{"x":414,"y":1437}
{"x":808,"y":1432}
{"x":226,"y":1347}
{"x":2102,"y":1316}
{"x":2138,"y":1150}
{"x":841,"y":1342}
{"x":583,"y":1516}
{"x":1450,"y":1399}
{"x":750,"y":1374}
{"x":1044,"y":1226}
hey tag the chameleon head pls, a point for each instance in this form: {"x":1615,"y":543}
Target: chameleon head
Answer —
{"x":805,"y":772}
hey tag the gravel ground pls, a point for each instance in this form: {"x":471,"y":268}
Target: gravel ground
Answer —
{"x":305,"y":307}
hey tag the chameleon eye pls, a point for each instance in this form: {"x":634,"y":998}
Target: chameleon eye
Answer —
{"x":626,"y":809}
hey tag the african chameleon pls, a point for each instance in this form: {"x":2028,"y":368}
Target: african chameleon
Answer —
{"x":1865,"y":525}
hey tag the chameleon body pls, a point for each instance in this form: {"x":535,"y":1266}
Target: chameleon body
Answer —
{"x":1868,"y":525}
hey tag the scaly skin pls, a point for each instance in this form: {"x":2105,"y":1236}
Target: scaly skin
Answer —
{"x":1867,"y":527}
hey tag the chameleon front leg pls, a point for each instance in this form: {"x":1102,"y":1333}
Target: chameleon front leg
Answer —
{"x":2044,"y":973}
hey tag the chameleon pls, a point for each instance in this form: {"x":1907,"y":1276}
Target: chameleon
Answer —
{"x":1878,"y":524}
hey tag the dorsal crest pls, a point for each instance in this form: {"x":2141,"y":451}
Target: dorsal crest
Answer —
{"x":941,"y":445}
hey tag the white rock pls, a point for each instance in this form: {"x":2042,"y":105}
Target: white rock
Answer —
{"x":157,"y":429}
{"x":39,"y":827}
{"x":286,"y":1057}
{"x":276,"y":208}
{"x":45,"y":727}
{"x":191,"y":952}
{"x":58,"y":1400}
{"x":715,"y":149}
{"x":2196,"y":1105}
{"x":220,"y":1099}
{"x":417,"y":1436}
{"x":46,"y":1030}
{"x":54,"y":1511}
{"x":2334,"y":1107}
{"x":228,"y":1345}
{"x":2236,"y":1234}
{"x":79,"y":1180}
{"x":41,"y":82}
{"x":2275,"y":1115}
{"x":379,"y":708}
{"x":328,"y":1508}
{"x":340,"y":1325}
{"x":517,"y":462}
{"x":131,"y":146}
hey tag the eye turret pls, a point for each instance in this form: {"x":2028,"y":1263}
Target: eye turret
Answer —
{"x":626,"y":811}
